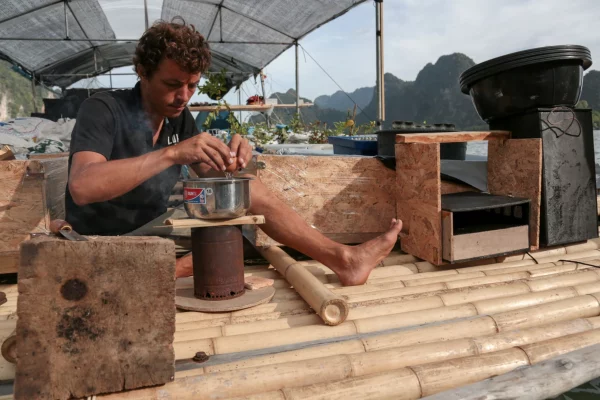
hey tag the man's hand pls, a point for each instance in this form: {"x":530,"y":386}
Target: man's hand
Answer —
{"x":242,"y":150}
{"x":202,"y":148}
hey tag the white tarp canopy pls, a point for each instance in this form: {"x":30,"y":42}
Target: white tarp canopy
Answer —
{"x":63,"y":41}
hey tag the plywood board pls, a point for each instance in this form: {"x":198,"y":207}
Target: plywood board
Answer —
{"x":31,"y":194}
{"x":419,"y":199}
{"x":483,"y":244}
{"x":94,"y":317}
{"x":515,"y":169}
{"x":345,"y":198}
{"x":447,"y":235}
{"x":451,"y":137}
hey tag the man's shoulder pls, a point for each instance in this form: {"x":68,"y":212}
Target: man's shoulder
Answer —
{"x":112,"y":98}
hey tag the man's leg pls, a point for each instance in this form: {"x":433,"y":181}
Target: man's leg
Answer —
{"x":352,"y":264}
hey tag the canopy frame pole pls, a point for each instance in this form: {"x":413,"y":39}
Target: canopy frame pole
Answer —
{"x":264,"y":94}
{"x":240,"y":101}
{"x":146,"y":13}
{"x":297,"y":80}
{"x":95,"y":61}
{"x":33,"y":94}
{"x":66,"y":20}
{"x":110,"y":78}
{"x":379,"y":62}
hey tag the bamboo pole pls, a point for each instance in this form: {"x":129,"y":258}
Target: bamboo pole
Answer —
{"x":400,"y":384}
{"x":422,"y":310}
{"x":565,"y":371}
{"x":562,"y":310}
{"x":330,"y":307}
{"x":541,"y":351}
{"x":431,"y":375}
{"x":495,"y":305}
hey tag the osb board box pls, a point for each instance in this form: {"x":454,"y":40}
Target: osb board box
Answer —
{"x":350,"y":199}
{"x":31,"y":195}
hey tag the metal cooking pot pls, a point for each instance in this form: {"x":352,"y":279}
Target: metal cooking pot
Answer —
{"x":216,"y":198}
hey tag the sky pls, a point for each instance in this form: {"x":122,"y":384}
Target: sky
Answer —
{"x":416,"y":32}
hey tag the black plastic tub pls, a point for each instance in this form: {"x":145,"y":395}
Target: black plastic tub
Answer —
{"x":512,"y":84}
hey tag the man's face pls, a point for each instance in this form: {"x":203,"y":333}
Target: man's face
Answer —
{"x":169,"y":88}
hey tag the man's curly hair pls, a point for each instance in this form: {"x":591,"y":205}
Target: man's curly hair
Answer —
{"x":176,"y":41}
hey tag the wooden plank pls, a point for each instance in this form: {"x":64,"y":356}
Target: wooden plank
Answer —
{"x":203,"y":223}
{"x":418,"y":199}
{"x":80,"y":331}
{"x":447,"y":235}
{"x":545,"y":380}
{"x":451,"y":137}
{"x":348,"y":198}
{"x":515,"y":169}
{"x":487,"y":243}
{"x":9,"y":262}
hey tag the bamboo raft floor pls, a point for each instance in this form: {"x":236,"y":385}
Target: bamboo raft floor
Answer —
{"x":413,"y":330}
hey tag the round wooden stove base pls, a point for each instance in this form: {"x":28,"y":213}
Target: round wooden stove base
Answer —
{"x":185,"y":300}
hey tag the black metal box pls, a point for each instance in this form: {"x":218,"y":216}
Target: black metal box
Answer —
{"x":568,"y":211}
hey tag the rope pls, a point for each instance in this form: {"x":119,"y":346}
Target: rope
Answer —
{"x":532,"y":257}
{"x":582,"y":263}
{"x":337,"y":84}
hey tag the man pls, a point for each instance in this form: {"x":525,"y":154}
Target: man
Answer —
{"x":128,"y":147}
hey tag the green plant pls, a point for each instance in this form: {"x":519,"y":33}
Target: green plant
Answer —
{"x":215,"y":87}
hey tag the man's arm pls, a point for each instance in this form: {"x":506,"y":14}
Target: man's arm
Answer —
{"x":94,"y":179}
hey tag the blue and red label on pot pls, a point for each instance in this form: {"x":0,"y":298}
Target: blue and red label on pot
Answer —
{"x":194,"y":195}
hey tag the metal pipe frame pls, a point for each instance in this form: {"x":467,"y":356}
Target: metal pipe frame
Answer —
{"x":134,"y":40}
{"x":297,"y":81}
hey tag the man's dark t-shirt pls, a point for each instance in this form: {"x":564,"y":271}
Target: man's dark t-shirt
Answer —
{"x":114,"y":124}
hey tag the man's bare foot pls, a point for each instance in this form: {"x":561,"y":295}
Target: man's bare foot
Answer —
{"x":356,"y":262}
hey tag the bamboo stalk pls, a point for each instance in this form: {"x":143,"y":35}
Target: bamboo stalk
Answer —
{"x":495,"y":305}
{"x":520,"y":337}
{"x":562,"y":310}
{"x":566,"y":371}
{"x":326,"y":350}
{"x":541,"y":351}
{"x":400,"y":384}
{"x":448,"y":330}
{"x":432,"y":307}
{"x":487,"y":279}
{"x":445,"y":278}
{"x":440,"y":376}
{"x":546,"y":283}
{"x":475,"y":294}
{"x":399,"y":293}
{"x":374,"y":324}
{"x":359,"y":363}
{"x":330,"y":307}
